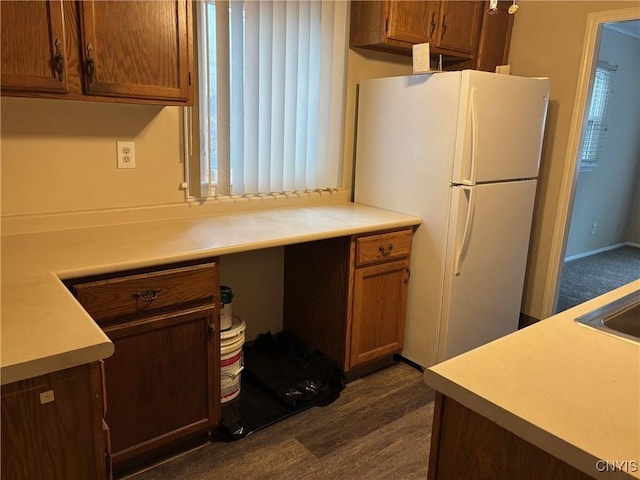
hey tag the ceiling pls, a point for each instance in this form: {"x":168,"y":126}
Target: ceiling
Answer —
{"x":630,"y":27}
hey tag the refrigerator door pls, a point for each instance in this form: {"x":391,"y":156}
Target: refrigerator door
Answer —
{"x":501,"y":124}
{"x":405,"y":146}
{"x":405,"y":140}
{"x":485,"y":264}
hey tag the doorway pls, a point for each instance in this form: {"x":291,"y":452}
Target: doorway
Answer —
{"x":603,"y":243}
{"x":595,"y":23}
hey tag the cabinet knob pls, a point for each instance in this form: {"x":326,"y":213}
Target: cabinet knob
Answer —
{"x":385,"y":251}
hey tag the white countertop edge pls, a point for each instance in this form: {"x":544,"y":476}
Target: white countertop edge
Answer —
{"x":535,"y":435}
{"x":53,"y":363}
{"x":65,"y":274}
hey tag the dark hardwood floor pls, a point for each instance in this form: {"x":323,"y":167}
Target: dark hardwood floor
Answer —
{"x":379,"y":428}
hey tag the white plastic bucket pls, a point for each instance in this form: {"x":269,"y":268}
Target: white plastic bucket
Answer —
{"x":226,"y":309}
{"x":231,"y":359}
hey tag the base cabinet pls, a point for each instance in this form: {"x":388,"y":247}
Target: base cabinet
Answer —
{"x":163,"y":381}
{"x":379,"y":309}
{"x":347,"y":296}
{"x":466,"y":445}
{"x":52,"y":427}
{"x":159,"y":386}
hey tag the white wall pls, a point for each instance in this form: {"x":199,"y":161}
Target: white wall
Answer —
{"x":606,"y":195}
{"x":547,"y":40}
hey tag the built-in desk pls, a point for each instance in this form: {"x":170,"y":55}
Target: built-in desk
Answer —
{"x":51,"y":346}
{"x":44,"y":329}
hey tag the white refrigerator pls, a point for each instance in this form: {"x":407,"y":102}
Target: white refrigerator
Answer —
{"x":461,"y":150}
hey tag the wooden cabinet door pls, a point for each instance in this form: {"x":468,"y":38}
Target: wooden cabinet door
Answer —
{"x":136,"y":49}
{"x":33,"y":46}
{"x":379,"y":308}
{"x":162,"y":383}
{"x":459,"y":25}
{"x":52,"y":426}
{"x":495,"y":38}
{"x":411,"y":21}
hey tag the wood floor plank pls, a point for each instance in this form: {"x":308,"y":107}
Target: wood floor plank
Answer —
{"x":380,"y":427}
{"x":351,"y":426}
{"x":399,"y":450}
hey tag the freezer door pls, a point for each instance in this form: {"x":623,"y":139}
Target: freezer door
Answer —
{"x":500,"y":127}
{"x":485,"y":264}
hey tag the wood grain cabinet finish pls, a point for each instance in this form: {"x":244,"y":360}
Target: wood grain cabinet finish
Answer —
{"x":34,"y":52}
{"x":468,"y":446}
{"x":116,"y":51}
{"x":461,"y":31}
{"x":52,"y":427}
{"x":459,"y":25}
{"x":163,"y":381}
{"x":412,"y":22}
{"x":347,"y":296}
{"x":136,"y":49}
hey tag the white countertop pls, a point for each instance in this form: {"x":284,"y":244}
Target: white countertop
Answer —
{"x":569,"y":389}
{"x":44,"y":329}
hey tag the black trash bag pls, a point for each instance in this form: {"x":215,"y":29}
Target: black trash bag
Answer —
{"x":282,"y":376}
{"x":295,"y":372}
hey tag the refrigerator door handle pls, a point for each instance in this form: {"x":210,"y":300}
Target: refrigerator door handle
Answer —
{"x":473,"y":163}
{"x":461,"y":248}
{"x":473,"y":168}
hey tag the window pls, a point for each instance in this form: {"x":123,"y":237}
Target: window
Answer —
{"x":596,"y":125}
{"x":271,"y":95}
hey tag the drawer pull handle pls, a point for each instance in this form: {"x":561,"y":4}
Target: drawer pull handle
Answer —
{"x":147,"y":295}
{"x":385,"y":252}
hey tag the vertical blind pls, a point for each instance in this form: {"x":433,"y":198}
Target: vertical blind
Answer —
{"x":596,"y":125}
{"x":272,"y":81}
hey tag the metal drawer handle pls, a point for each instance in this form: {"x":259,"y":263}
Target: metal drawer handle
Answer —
{"x":385,"y":252}
{"x":147,"y":295}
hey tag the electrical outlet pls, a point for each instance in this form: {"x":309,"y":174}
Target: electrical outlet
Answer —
{"x":126,"y":154}
{"x":594,"y":228}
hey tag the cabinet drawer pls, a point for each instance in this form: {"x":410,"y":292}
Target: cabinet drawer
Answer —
{"x":385,"y":246}
{"x":135,"y":294}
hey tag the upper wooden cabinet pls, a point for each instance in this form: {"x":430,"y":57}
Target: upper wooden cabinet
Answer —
{"x":136,"y":49}
{"x":461,"y":31}
{"x":130,"y":51}
{"x":408,"y":22}
{"x":495,"y":38}
{"x":34,"y":53}
{"x":459,"y":25}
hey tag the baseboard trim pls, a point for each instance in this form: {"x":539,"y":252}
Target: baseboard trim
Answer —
{"x":600,"y":250}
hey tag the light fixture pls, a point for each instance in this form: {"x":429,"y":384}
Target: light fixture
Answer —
{"x":493,"y":7}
